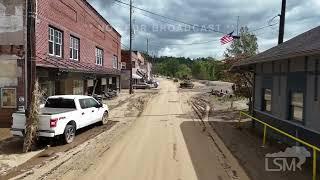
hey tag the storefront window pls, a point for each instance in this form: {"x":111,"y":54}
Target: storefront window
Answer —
{"x":8,"y":98}
{"x":78,"y":87}
{"x":48,"y":88}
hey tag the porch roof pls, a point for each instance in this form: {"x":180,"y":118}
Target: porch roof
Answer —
{"x":75,"y":66}
{"x":305,"y":44}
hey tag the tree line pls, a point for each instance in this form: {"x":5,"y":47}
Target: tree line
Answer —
{"x":184,"y":68}
{"x":210,"y":68}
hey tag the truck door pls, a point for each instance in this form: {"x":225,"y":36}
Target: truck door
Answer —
{"x":85,"y":112}
{"x":96,"y":112}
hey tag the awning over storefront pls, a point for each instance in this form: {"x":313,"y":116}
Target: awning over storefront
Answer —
{"x":135,"y":76}
{"x":75,"y":66}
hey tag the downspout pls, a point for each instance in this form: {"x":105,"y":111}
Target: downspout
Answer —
{"x":253,"y":96}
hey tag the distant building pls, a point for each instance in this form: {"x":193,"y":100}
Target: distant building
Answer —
{"x":141,"y":68}
{"x":77,"y":51}
{"x":286,"y":85}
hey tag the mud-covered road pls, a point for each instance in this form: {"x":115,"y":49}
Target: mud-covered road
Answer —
{"x":166,"y":142}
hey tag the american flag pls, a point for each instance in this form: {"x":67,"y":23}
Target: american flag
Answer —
{"x":226,"y":38}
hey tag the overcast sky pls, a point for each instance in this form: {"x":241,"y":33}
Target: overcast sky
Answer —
{"x":167,"y":36}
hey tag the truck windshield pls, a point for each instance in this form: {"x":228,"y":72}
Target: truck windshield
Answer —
{"x":60,"y":103}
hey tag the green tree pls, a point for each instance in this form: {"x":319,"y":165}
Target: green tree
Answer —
{"x":245,"y":46}
{"x":240,"y":49}
{"x":184,"y":71}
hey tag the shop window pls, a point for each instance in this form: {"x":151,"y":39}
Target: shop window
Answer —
{"x":267,"y":97}
{"x":74,"y":48}
{"x":8,"y":98}
{"x":296,"y":106}
{"x":55,"y":42}
{"x":48,"y":88}
{"x":78,"y":87}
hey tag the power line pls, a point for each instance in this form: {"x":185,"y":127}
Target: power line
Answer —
{"x":179,"y":21}
{"x":263,"y":27}
{"x":120,"y":3}
{"x":172,"y":19}
{"x":187,"y":44}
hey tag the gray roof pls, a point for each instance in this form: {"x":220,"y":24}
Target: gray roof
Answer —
{"x":305,"y":44}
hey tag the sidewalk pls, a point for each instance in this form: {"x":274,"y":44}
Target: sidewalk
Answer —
{"x":4,"y":133}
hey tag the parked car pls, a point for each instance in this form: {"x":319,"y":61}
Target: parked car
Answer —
{"x":141,"y":85}
{"x":63,"y":116}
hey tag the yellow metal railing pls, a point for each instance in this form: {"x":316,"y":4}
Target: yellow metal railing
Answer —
{"x":266,"y":125}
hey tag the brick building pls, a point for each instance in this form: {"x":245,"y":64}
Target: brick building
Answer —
{"x":141,"y":68}
{"x":77,"y":51}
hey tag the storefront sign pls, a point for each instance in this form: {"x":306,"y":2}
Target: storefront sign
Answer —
{"x":8,"y":98}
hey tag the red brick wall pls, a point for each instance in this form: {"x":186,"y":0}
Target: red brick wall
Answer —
{"x":125,"y":57}
{"x":77,"y":18}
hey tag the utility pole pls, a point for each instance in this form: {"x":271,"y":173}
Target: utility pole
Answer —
{"x":238,"y":25}
{"x":147,"y":46}
{"x":130,"y":51}
{"x":282,"y":21}
{"x":31,"y":52}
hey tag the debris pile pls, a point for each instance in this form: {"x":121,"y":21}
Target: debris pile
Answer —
{"x":186,"y":84}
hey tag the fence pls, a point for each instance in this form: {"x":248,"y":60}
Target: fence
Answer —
{"x":266,"y":125}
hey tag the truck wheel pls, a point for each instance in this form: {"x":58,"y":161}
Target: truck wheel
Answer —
{"x":69,"y":134}
{"x":105,"y":118}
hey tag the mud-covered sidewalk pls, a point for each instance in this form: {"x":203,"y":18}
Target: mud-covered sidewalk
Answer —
{"x":244,"y":142}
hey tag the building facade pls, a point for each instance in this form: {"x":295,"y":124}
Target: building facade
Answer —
{"x":12,"y":28}
{"x":141,"y":68}
{"x":78,"y":51}
{"x":286,"y":85}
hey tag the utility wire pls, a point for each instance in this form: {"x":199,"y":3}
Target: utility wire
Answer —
{"x":263,"y":27}
{"x":187,"y":44}
{"x":179,"y":21}
{"x":172,"y":19}
{"x":121,"y":3}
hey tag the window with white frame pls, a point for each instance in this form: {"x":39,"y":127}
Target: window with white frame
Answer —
{"x":99,"y":56}
{"x":74,"y":48}
{"x":55,"y":42}
{"x":115,"y":62}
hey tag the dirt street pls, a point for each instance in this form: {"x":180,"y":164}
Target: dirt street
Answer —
{"x":166,"y":142}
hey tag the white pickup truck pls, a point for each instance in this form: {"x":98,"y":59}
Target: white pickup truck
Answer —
{"x":63,"y":115}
